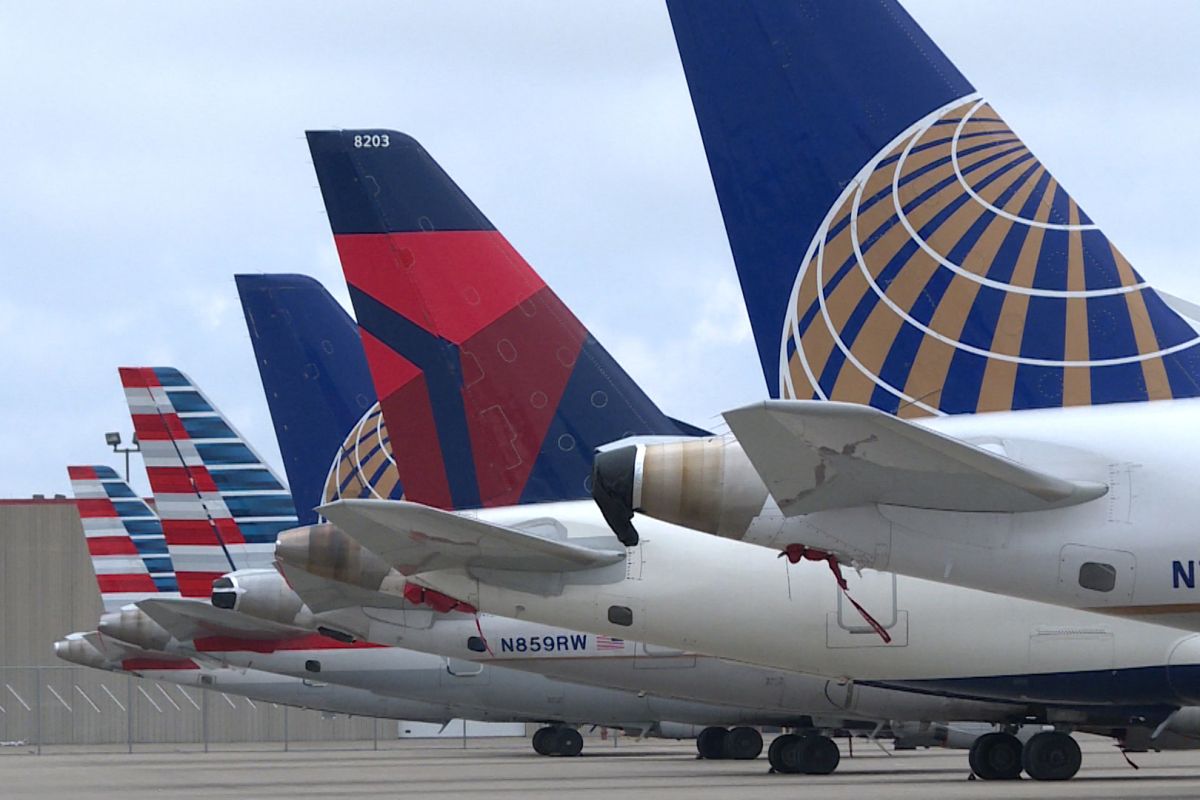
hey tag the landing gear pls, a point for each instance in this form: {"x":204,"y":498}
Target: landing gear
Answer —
{"x":810,"y":754}
{"x":1051,"y":756}
{"x":542,"y":740}
{"x":996,"y":757}
{"x":557,"y":740}
{"x":710,"y":744}
{"x":743,"y":744}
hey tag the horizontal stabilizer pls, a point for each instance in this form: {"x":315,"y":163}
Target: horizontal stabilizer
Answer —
{"x":414,"y":538}
{"x":817,"y":456}
{"x":187,"y":620}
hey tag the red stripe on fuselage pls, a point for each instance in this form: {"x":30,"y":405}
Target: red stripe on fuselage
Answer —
{"x":451,"y":283}
{"x":315,"y":642}
{"x":145,"y":664}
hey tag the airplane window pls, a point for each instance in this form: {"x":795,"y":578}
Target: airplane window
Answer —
{"x":620,"y":615}
{"x":476,"y":645}
{"x":1097,"y":577}
{"x":312,"y":665}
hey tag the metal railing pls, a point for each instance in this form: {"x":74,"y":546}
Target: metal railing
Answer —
{"x":74,"y":707}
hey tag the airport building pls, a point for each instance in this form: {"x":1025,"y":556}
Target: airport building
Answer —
{"x":48,"y":590}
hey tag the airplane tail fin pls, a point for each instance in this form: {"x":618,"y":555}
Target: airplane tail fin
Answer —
{"x":221,"y":506}
{"x":323,"y":405}
{"x":124,"y":538}
{"x":493,"y":392}
{"x":896,"y":243}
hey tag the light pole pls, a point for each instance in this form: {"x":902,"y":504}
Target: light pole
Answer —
{"x":113,"y":440}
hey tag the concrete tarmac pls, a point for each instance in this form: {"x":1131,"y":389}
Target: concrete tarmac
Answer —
{"x":500,"y":769}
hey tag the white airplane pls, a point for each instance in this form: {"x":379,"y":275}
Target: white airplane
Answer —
{"x":903,"y":253}
{"x":416,"y":252}
{"x":152,"y":631}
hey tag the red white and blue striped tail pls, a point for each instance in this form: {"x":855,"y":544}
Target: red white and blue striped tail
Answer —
{"x":124,"y":538}
{"x":221,"y":506}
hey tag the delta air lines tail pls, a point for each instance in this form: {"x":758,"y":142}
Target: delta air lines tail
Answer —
{"x":897,"y":244}
{"x":498,"y":393}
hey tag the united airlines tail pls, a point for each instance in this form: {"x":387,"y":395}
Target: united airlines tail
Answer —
{"x":493,"y":392}
{"x":124,"y":538}
{"x":219,"y":502}
{"x":896,"y":242}
{"x":323,"y":405}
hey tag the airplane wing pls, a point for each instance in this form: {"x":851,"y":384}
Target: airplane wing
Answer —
{"x":415,"y":538}
{"x":821,"y":455}
{"x":188,"y":619}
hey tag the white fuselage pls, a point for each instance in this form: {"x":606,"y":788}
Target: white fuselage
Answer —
{"x":733,"y":600}
{"x":1144,"y":529}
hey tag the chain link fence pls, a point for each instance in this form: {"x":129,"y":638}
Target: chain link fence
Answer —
{"x":43,"y":708}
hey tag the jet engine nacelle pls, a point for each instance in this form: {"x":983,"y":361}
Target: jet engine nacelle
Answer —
{"x":706,"y":484}
{"x":261,"y":593}
{"x":78,"y":650}
{"x":325,"y":551}
{"x":133,"y":626}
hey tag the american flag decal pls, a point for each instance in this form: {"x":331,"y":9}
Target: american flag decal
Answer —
{"x":609,"y":643}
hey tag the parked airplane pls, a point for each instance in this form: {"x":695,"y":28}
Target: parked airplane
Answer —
{"x":901,"y":250}
{"x":317,"y":382}
{"x":191,"y":444}
{"x":400,"y":249}
{"x":131,"y":562}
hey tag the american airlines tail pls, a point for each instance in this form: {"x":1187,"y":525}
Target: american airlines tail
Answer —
{"x":493,"y":392}
{"x":896,"y":242}
{"x":124,"y":538}
{"x":220,"y":504}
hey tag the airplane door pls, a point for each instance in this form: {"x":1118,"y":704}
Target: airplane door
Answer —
{"x":1096,"y":575}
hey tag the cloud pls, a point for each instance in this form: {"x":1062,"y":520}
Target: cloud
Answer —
{"x":155,"y":149}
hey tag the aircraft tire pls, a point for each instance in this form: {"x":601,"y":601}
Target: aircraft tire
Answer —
{"x":819,"y":755}
{"x":790,"y":754}
{"x":568,"y":742}
{"x":543,"y":741}
{"x":710,"y":744}
{"x":743,"y":744}
{"x":773,"y":752}
{"x":996,"y":757}
{"x":1051,"y":756}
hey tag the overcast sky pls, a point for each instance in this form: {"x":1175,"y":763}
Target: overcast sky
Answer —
{"x":151,"y":150}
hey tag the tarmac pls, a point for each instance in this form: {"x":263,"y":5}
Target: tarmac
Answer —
{"x":506,"y":768}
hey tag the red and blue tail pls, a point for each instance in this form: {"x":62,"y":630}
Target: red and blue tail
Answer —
{"x":493,"y":392}
{"x":221,"y":506}
{"x":896,"y":242}
{"x":124,"y":538}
